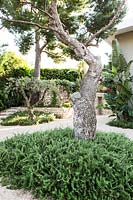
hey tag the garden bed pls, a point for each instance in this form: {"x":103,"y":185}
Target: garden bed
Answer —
{"x":54,"y":165}
{"x":120,"y":123}
{"x":21,"y":118}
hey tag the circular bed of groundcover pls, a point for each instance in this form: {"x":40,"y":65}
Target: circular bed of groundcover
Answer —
{"x":54,"y":165}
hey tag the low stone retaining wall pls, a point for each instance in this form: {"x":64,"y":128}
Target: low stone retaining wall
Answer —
{"x":63,"y":112}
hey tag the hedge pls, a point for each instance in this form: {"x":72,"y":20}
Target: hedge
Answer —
{"x":67,"y":74}
{"x":13,"y":66}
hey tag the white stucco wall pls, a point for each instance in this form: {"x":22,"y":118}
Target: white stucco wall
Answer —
{"x":126,"y":44}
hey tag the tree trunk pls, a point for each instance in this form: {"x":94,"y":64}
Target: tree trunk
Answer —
{"x":37,"y":56}
{"x":84,"y":119}
{"x":84,"y":100}
{"x":31,"y":115}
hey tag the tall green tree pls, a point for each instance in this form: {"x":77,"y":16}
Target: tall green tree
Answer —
{"x":96,"y":21}
{"x":28,"y":35}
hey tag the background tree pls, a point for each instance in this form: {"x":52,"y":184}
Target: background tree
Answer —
{"x":32,"y":90}
{"x":28,"y":35}
{"x":107,"y":13}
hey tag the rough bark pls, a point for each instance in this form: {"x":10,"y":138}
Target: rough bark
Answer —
{"x":37,"y":56}
{"x":31,"y":115}
{"x":84,"y":100}
{"x":84,"y":107}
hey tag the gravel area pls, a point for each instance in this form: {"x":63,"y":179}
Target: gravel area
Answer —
{"x":7,"y":194}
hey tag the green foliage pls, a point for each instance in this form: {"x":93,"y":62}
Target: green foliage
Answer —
{"x":98,"y":14}
{"x":120,"y":123}
{"x":25,"y":42}
{"x":67,"y":74}
{"x":54,"y":100}
{"x":117,"y":79}
{"x":90,"y":15}
{"x":67,"y":105}
{"x":70,"y":87}
{"x":11,"y":65}
{"x":21,"y":118}
{"x":54,"y":165}
{"x":32,"y":90}
{"x":10,"y":97}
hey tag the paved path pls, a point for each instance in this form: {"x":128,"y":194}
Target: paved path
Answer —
{"x":9,"y":131}
{"x":7,"y":194}
{"x":7,"y":112}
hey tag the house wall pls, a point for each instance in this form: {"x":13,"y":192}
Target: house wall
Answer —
{"x":126,"y":44}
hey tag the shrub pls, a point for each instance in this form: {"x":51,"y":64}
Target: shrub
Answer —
{"x":69,"y":86}
{"x":33,"y":91}
{"x":11,"y":65}
{"x":62,"y":94}
{"x":117,"y":79}
{"x":67,"y":74}
{"x":67,"y":105}
{"x":120,"y":123}
{"x":54,"y":165}
{"x":21,"y":118}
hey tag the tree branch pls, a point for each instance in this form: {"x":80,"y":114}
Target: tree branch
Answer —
{"x":39,"y":9}
{"x":24,"y":22}
{"x":108,"y":25}
{"x":41,"y":97}
{"x":42,"y":47}
{"x":56,"y":25}
{"x":52,"y":54}
{"x":1,"y":27}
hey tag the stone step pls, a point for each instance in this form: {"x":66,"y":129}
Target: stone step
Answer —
{"x":3,"y":117}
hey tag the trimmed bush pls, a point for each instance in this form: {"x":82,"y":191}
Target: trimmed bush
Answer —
{"x":67,"y":74}
{"x":54,"y":165}
{"x":120,"y":123}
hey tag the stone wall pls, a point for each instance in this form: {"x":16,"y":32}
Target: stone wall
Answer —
{"x":61,"y":112}
{"x":62,"y":97}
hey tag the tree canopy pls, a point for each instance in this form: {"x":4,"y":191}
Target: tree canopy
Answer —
{"x":80,"y":18}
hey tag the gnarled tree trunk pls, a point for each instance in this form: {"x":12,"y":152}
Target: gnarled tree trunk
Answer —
{"x":31,"y":115}
{"x":84,"y":100}
{"x":84,"y":106}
